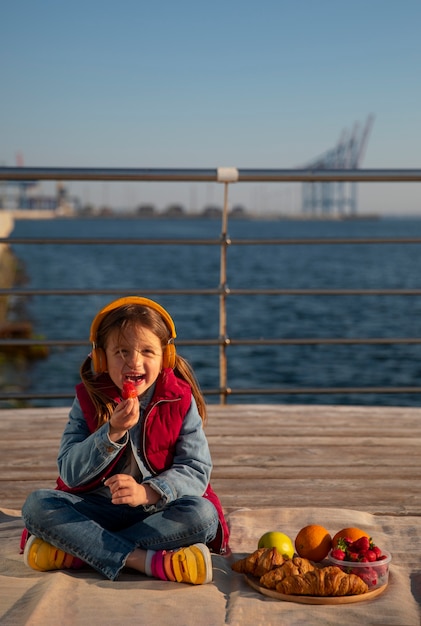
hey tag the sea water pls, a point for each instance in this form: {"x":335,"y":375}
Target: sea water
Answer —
{"x":132,"y":269}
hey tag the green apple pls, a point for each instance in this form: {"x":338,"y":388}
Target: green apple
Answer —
{"x":277,"y":540}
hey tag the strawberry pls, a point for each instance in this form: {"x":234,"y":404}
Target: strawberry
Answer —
{"x":129,"y":389}
{"x":363,"y":550}
{"x":377,"y":550}
{"x":361,"y":545}
{"x":371,"y":555}
{"x":338,"y":554}
{"x":382,"y":570}
{"x":369,"y":576}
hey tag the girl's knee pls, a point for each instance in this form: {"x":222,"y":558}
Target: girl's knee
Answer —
{"x":205,"y":511}
{"x":196,"y":508}
{"x":36,"y":503}
{"x":209,"y":509}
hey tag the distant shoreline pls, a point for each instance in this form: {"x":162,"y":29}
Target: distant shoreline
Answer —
{"x":25,"y":214}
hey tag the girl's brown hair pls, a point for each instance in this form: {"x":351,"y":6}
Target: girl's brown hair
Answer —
{"x":121,"y":318}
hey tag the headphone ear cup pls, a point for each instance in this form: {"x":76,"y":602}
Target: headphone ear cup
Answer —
{"x":99,"y":360}
{"x":168,"y":357}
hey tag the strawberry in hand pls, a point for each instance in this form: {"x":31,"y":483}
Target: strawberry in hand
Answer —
{"x":129,"y":390}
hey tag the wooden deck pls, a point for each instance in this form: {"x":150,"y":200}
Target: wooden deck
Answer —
{"x":363,"y":458}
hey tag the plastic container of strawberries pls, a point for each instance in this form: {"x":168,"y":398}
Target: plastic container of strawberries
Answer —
{"x":374,"y":573}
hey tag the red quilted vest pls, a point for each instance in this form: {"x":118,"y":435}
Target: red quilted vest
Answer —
{"x":162,"y":425}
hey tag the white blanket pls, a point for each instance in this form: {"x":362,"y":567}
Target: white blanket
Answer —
{"x":83,"y":597}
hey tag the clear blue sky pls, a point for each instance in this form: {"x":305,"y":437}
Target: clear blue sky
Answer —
{"x":189,"y":83}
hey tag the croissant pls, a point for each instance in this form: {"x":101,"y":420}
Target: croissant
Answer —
{"x":259,"y":562}
{"x":327,"y":581}
{"x":291,"y":567}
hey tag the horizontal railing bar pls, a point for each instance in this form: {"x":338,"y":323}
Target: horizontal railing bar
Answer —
{"x":323,"y":292}
{"x":108,"y":292}
{"x":325,"y":341}
{"x":243,"y":392}
{"x":109,"y":242}
{"x":328,"y":175}
{"x":23,"y":343}
{"x":215,"y":291}
{"x":28,"y":343}
{"x":325,"y":241}
{"x":211,"y":242}
{"x":73,"y":343}
{"x":37,"y":396}
{"x":112,"y":174}
{"x":209,"y":175}
{"x":321,"y":390}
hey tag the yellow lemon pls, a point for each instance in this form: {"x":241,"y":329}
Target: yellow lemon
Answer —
{"x":280,"y":541}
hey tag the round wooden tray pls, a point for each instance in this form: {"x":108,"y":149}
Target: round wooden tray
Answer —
{"x":369,"y":595}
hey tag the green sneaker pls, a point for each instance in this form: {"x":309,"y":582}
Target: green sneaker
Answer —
{"x":43,"y":557}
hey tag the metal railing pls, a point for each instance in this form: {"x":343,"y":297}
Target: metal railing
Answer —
{"x":226,"y":176}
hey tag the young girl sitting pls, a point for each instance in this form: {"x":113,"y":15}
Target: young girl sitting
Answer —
{"x":134,"y":471}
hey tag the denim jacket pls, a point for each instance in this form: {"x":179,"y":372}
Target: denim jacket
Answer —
{"x":83,"y":456}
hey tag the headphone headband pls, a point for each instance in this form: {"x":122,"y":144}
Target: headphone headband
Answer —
{"x":131,"y":300}
{"x":98,"y":354}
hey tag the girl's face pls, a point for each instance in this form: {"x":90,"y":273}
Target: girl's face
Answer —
{"x":134,"y":355}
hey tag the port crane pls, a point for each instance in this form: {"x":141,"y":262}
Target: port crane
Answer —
{"x":328,"y":198}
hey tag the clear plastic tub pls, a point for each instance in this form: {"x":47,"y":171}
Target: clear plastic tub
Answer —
{"x":375,"y":573}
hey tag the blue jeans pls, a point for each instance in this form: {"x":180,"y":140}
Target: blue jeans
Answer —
{"x":103,"y":534}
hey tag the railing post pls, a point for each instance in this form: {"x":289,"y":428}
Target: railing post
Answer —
{"x":223,"y":301}
{"x":225,"y":175}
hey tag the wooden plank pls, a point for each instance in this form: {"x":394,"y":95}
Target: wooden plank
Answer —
{"x":363,"y":458}
{"x":389,"y":497}
{"x":13,"y":496}
{"x":411,"y":473}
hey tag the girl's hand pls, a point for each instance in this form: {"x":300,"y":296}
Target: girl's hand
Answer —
{"x":125,"y":416}
{"x":125,"y":490}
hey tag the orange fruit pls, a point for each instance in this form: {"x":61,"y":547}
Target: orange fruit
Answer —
{"x":351,"y":532}
{"x":313,"y":542}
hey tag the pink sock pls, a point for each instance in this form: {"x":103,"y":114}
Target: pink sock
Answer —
{"x":148,"y":562}
{"x":157,"y":565}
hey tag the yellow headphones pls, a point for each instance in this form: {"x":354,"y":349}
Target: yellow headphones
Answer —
{"x":99,"y":360}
